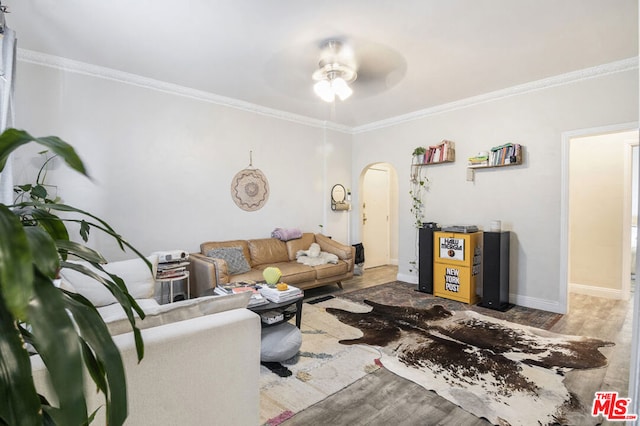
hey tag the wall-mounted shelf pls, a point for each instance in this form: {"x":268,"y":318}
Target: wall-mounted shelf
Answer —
{"x":433,"y":163}
{"x":444,"y":152}
{"x":509,"y":154}
{"x":506,"y":155}
{"x":517,"y":163}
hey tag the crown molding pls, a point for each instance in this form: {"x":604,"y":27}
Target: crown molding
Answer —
{"x":83,"y":68}
{"x":558,"y":80}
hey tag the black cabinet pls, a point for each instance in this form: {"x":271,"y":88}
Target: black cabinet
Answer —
{"x":495,"y":274}
{"x":425,"y":257}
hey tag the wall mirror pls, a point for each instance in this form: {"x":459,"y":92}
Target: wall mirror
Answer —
{"x":339,"y":197}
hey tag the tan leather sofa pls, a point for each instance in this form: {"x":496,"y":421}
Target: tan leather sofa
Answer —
{"x":206,"y":272}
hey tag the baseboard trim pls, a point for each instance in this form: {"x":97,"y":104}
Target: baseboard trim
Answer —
{"x":411,"y":279}
{"x":590,"y":290}
{"x":536,"y":303}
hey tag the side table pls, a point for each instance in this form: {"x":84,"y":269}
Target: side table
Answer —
{"x":283,"y":308}
{"x":170,"y":280}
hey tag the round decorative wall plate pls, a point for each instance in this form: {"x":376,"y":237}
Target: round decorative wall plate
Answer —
{"x":250,"y":189}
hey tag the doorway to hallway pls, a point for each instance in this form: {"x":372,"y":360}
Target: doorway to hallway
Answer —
{"x":378,"y":215}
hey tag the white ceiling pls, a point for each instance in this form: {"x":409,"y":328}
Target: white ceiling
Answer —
{"x":412,"y":54}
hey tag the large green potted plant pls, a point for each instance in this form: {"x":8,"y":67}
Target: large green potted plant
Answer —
{"x":63,"y":328}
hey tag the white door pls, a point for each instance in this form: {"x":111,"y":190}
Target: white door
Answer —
{"x":375,"y":217}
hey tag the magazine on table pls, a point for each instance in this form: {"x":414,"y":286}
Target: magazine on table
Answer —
{"x":257,"y":298}
{"x":279,"y":296}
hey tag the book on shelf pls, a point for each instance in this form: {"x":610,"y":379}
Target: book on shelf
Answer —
{"x":171,"y":273}
{"x":442,"y":152}
{"x":271,"y":317}
{"x":508,"y":153}
{"x":279,"y":296}
{"x":481,"y":159}
{"x":172,"y":265}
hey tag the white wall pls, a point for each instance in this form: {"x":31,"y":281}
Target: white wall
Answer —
{"x":527,"y":198}
{"x":162,"y":164}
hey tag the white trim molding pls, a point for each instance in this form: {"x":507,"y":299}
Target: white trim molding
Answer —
{"x":97,"y":71}
{"x":83,"y":68}
{"x":570,"y":77}
{"x":590,"y":290}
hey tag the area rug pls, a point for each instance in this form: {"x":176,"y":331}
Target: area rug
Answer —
{"x":398,"y":293}
{"x":322,"y":367}
{"x":508,"y":373}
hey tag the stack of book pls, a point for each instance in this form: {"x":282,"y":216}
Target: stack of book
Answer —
{"x":479,"y":160}
{"x":440,"y":153}
{"x":508,"y":153}
{"x":168,"y":270}
{"x":256,"y":298}
{"x":280,"y":296}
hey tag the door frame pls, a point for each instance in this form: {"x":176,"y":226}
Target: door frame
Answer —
{"x":393,"y":209}
{"x":634,"y":368}
{"x":563,"y":285}
{"x":386,"y":169}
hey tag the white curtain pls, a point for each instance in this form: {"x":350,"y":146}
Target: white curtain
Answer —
{"x":7,"y":74}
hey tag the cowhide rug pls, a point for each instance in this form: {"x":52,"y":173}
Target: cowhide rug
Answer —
{"x":507,"y":373}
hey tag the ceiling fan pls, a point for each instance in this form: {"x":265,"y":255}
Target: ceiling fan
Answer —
{"x":336,"y":70}
{"x":368,"y":68}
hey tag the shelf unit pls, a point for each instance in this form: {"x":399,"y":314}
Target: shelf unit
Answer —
{"x":514,"y":157}
{"x":442,"y":153}
{"x":517,"y":163}
{"x":433,"y":163}
{"x":504,"y":156}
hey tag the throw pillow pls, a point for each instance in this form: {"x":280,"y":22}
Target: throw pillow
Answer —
{"x":138,"y":278}
{"x":236,"y":262}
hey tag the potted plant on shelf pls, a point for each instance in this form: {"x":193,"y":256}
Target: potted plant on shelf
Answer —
{"x":62,"y":327}
{"x":418,"y":154}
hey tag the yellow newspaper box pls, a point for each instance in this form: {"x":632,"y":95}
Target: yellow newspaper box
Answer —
{"x":457,"y":265}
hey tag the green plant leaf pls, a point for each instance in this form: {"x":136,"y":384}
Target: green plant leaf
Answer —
{"x":45,"y":253}
{"x":50,"y":223}
{"x":84,"y":230}
{"x":107,"y":359}
{"x":20,"y":402}
{"x":59,"y":349}
{"x":119,"y":290}
{"x":16,"y":270}
{"x":11,"y":139}
{"x":101,"y":225}
{"x":39,"y":191}
{"x":79,"y":250}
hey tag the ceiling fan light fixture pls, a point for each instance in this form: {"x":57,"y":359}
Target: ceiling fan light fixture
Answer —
{"x":332,"y":76}
{"x":341,"y":88}
{"x":324,"y":90}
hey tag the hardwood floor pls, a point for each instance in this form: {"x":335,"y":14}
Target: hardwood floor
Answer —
{"x":382,"y":398}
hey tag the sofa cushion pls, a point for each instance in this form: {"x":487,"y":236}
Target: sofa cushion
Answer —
{"x":138,"y":278}
{"x":209,"y":245}
{"x":302,"y":243}
{"x":252,"y":275}
{"x":234,"y":256}
{"x":266,"y":251}
{"x":331,"y":246}
{"x":331,"y":270}
{"x":172,"y":312}
{"x":293,"y":273}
